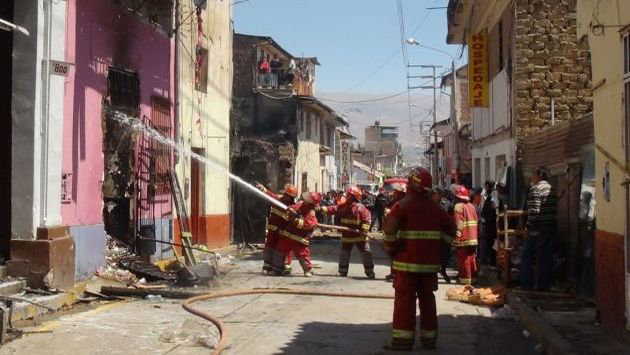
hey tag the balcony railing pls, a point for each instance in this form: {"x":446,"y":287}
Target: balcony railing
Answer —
{"x":267,"y":80}
{"x":300,"y":83}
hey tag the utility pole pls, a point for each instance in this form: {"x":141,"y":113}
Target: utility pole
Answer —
{"x":436,"y":174}
{"x":435,"y":170}
{"x":454,"y":118}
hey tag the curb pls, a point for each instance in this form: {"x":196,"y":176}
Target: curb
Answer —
{"x":541,"y":330}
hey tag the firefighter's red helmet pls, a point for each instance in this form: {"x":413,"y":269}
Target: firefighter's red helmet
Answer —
{"x":290,"y":190}
{"x":312,"y":198}
{"x":420,"y":180}
{"x":461,"y":192}
{"x":354,"y":192}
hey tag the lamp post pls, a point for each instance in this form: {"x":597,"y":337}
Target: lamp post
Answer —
{"x":413,"y":41}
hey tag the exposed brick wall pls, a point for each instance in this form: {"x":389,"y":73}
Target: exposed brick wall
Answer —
{"x":609,"y":266}
{"x":550,"y":63}
{"x":244,"y":56}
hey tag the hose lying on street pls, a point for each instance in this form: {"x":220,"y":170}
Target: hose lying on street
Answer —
{"x":256,"y":291}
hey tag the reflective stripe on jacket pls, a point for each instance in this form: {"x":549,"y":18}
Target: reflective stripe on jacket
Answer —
{"x":466,"y":220}
{"x":414,"y":228}
{"x":352,"y":215}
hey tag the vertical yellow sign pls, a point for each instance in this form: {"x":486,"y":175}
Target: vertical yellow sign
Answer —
{"x":478,"y":70}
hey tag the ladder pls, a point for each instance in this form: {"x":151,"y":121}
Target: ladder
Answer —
{"x":182,"y":218}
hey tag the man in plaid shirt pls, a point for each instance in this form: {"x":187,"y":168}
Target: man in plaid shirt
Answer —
{"x":541,"y":226}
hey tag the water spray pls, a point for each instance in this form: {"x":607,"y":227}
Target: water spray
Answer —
{"x":138,"y":126}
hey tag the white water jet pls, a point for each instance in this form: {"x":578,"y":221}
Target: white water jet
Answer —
{"x":137,"y":125}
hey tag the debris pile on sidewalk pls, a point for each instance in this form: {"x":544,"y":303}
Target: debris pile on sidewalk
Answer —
{"x":192,"y":333}
{"x":487,"y":296}
{"x":115,"y":252}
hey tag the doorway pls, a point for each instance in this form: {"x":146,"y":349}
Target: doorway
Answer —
{"x":196,"y":198}
{"x":6,"y":59}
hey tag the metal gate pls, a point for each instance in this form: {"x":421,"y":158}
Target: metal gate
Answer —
{"x":153,"y":202}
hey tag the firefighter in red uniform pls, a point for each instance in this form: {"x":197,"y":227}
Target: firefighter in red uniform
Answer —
{"x":413,"y":230}
{"x":466,"y":240}
{"x":397,"y":195}
{"x":354,"y":215}
{"x":296,"y":234}
{"x":275,"y":223}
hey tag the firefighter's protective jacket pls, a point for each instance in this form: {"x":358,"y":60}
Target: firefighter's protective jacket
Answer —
{"x":353,"y":215}
{"x":466,"y":219}
{"x":300,"y":229}
{"x":413,"y":230}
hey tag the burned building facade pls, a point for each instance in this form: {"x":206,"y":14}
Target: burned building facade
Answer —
{"x":280,"y":133}
{"x":78,"y":172}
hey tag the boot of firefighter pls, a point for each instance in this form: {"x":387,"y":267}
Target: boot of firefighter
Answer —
{"x":398,"y":345}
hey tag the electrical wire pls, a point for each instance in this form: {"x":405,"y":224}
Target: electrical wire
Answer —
{"x":365,"y":101}
{"x":390,"y":58}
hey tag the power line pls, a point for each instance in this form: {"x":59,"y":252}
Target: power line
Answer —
{"x":390,"y":58}
{"x":364,"y":101}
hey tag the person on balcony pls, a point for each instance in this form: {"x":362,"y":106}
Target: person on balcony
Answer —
{"x":276,"y":65}
{"x":263,"y":65}
{"x":290,"y":73}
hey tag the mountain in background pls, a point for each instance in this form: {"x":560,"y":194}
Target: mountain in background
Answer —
{"x":362,"y":110}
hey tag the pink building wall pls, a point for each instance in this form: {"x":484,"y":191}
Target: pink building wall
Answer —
{"x":99,"y":34}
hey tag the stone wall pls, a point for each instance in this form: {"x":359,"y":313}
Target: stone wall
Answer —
{"x":550,"y":63}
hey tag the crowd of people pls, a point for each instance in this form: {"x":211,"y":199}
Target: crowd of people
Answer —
{"x":421,"y":224}
{"x":285,"y":75}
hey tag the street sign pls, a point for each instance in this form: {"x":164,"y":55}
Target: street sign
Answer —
{"x":59,"y":68}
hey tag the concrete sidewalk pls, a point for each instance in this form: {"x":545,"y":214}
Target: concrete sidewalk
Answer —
{"x":278,"y":324}
{"x":565,"y":324}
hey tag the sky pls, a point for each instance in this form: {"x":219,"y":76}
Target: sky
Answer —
{"x":358,"y":43}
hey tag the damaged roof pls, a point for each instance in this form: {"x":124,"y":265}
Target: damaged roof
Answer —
{"x":310,"y":100}
{"x":269,"y":40}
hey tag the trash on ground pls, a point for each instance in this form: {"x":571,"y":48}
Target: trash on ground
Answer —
{"x":192,"y":333}
{"x":487,"y":296}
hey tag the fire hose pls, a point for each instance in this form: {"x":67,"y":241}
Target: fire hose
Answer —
{"x":187,"y":305}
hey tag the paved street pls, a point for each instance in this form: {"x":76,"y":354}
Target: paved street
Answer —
{"x":276,"y":324}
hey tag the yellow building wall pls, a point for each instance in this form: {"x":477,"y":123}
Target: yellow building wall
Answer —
{"x":606,"y":62}
{"x":204,"y":118}
{"x":308,"y":158}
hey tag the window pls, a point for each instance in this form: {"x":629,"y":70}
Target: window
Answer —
{"x":477,"y":172}
{"x":304,"y":182}
{"x":331,"y":136}
{"x":486,"y":168}
{"x":123,"y":89}
{"x":322,"y":133}
{"x":500,"y":45}
{"x":161,"y":162}
{"x":309,"y":126}
{"x":201,"y":69}
{"x":301,"y":122}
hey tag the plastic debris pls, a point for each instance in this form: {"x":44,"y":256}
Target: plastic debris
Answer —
{"x":154,"y":298}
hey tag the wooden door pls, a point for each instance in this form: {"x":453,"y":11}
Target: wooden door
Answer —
{"x":196,"y":198}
